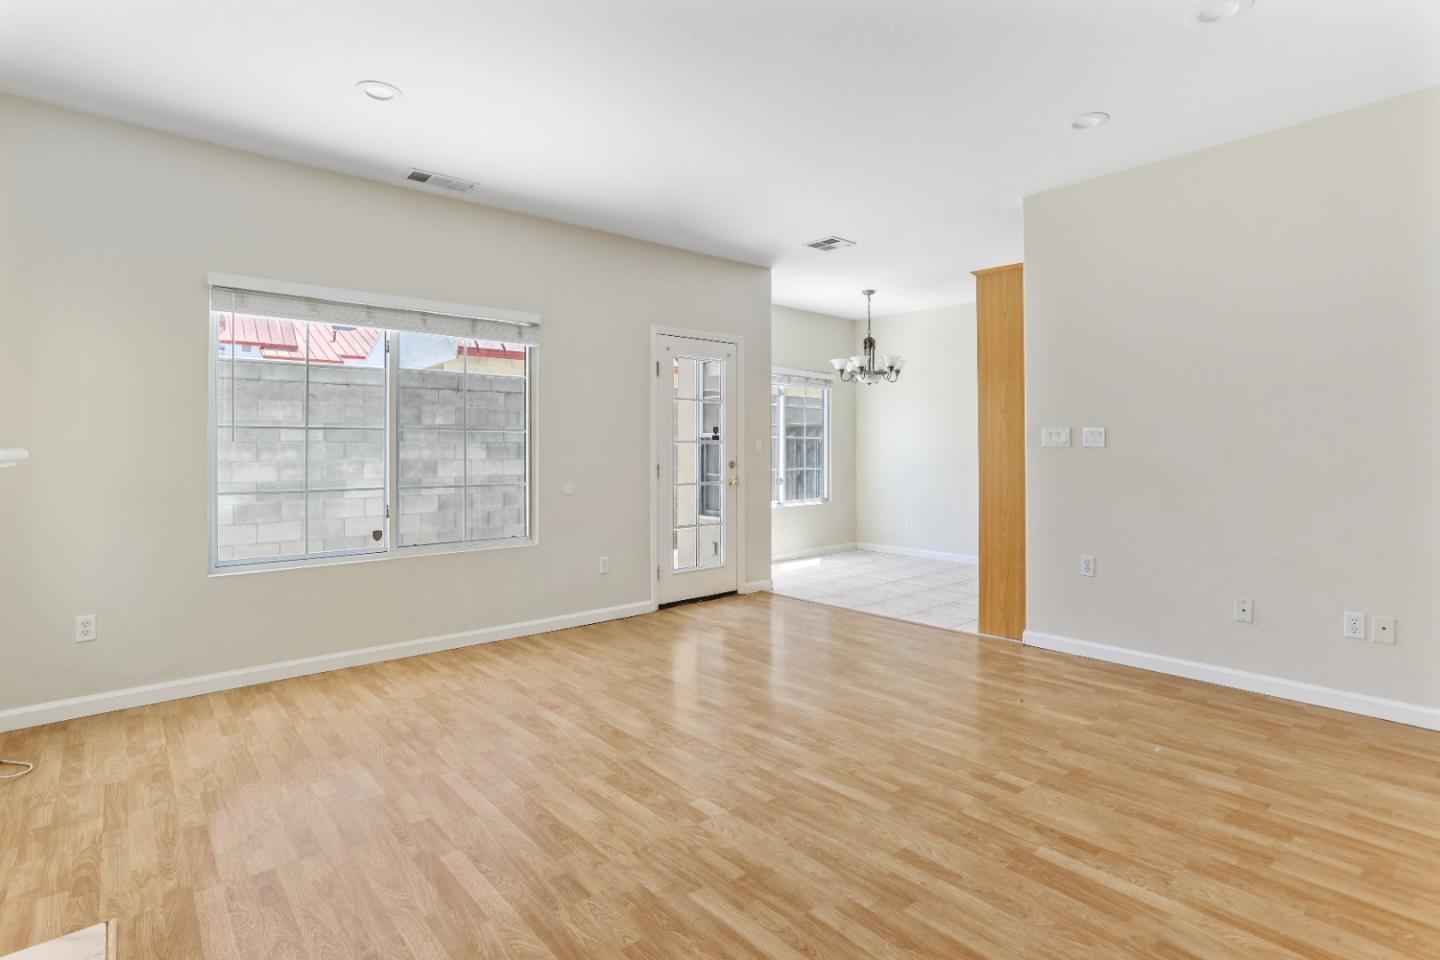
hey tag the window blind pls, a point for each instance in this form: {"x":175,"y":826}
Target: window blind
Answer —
{"x":260,"y":303}
{"x":801,"y":378}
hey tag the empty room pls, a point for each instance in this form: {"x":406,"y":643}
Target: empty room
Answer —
{"x":629,"y":480}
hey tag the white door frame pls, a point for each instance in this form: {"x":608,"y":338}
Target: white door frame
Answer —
{"x":738,"y":342}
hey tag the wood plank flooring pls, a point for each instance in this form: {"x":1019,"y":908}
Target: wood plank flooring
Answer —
{"x":754,"y":777}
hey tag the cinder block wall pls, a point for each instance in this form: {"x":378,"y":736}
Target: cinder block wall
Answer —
{"x":462,"y":460}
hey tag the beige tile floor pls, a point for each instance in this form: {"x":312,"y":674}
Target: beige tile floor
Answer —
{"x":939,"y":593}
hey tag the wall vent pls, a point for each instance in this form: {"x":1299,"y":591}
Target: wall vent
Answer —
{"x":826,"y":244}
{"x":440,"y":180}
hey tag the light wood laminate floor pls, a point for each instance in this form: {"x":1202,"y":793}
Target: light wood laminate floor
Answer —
{"x":754,"y":777}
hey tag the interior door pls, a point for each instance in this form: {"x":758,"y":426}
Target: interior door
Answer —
{"x":696,"y":477}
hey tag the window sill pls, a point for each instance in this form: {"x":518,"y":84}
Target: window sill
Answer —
{"x":431,"y":550}
{"x":777,"y":505}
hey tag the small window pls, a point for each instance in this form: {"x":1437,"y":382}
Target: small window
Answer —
{"x":346,"y":430}
{"x":799,"y":438}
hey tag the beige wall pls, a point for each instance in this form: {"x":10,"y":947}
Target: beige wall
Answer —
{"x":919,"y":436}
{"x":801,"y":340}
{"x":108,"y":233}
{"x":1258,"y":327}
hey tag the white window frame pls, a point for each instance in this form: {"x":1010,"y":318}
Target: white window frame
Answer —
{"x":778,"y":375}
{"x":392,"y":550}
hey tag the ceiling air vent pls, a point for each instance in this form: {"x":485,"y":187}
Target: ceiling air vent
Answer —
{"x":440,"y":180}
{"x":826,"y":244}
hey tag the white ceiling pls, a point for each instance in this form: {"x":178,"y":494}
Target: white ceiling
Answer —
{"x":741,"y":128}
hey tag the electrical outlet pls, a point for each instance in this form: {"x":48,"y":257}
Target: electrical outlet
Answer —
{"x":909,"y":520}
{"x":1384,"y":630}
{"x":1354,"y":625}
{"x":1244,"y":611}
{"x":1087,"y":565}
{"x":604,"y":565}
{"x":1092,"y":436}
{"x":85,"y":629}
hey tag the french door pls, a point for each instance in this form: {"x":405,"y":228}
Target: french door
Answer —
{"x":696,"y":474}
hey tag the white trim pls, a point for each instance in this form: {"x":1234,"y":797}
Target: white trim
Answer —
{"x":917,"y":552}
{"x":289,"y":288}
{"x":1413,"y":714}
{"x":57,"y":710}
{"x":813,"y":552}
{"x":808,"y":374}
{"x":756,"y":586}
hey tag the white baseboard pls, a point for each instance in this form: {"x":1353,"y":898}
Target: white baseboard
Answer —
{"x":56,"y":710}
{"x":813,"y":552}
{"x":1412,"y":714}
{"x":917,"y":552}
{"x":756,"y":586}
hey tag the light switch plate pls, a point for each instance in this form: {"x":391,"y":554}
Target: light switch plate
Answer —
{"x":1054,"y":436}
{"x":1092,"y":436}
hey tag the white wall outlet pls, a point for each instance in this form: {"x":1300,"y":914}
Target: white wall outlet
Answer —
{"x":909,"y":520}
{"x":1354,"y":625}
{"x":1054,"y":436}
{"x":1383,"y":630}
{"x":85,"y":629}
{"x":1092,"y":436}
{"x":604,"y":565}
{"x":1087,"y":565}
{"x":1244,"y":610}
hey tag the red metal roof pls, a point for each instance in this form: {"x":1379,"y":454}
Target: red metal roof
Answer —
{"x":280,"y":339}
{"x":473,"y":348}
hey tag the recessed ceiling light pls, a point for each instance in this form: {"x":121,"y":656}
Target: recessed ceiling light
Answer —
{"x":1214,"y":11}
{"x":1087,"y":121}
{"x":379,"y":90}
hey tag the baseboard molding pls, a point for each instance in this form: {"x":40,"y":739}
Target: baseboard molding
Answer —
{"x":1412,"y":714}
{"x":756,"y":586}
{"x":917,"y":552}
{"x":17,"y":718}
{"x":813,"y":552}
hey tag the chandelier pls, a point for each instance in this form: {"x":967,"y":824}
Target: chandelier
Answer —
{"x":866,"y":368}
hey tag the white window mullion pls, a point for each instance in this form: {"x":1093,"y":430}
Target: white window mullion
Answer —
{"x":392,"y":443}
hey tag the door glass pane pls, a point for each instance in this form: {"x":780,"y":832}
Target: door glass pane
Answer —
{"x":685,"y":374}
{"x":687,"y":469}
{"x":710,"y":502}
{"x":713,"y":377}
{"x":686,"y":423}
{"x":685,"y":498}
{"x":710,"y":420}
{"x":699,"y":414}
{"x":709,"y":550}
{"x":684,"y":548}
{"x":710,"y":462}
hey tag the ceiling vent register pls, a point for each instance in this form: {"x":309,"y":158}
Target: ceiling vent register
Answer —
{"x":441,"y":181}
{"x":826,"y":244}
